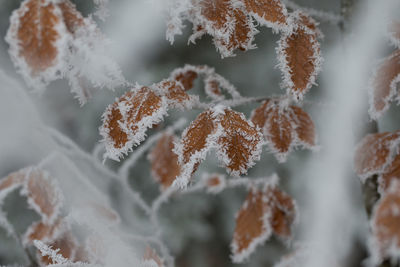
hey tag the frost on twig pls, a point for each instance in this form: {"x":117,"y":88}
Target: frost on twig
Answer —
{"x":49,"y":252}
{"x":237,"y":142}
{"x":51,"y":39}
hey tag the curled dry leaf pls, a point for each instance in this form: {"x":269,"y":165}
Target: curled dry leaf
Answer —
{"x":374,"y":153}
{"x":385,"y":243}
{"x":284,"y":127}
{"x":175,"y":94}
{"x":126,"y":121}
{"x":264,"y":212}
{"x":237,"y":141}
{"x":230,"y":23}
{"x":383,"y":85}
{"x":164,"y":162}
{"x":299,"y":55}
{"x":66,"y":246}
{"x":50,"y":40}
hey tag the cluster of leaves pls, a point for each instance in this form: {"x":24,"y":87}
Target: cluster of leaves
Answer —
{"x":54,"y":229}
{"x":378,"y":155}
{"x":50,"y":39}
{"x":232,"y":24}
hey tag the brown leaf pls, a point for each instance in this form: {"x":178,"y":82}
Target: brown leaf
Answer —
{"x":66,"y":245}
{"x":43,"y":231}
{"x":164,"y":162}
{"x":73,"y":19}
{"x":240,"y":144}
{"x":126,"y":121}
{"x":305,"y":127}
{"x":270,"y":12}
{"x":299,"y":56}
{"x":13,"y":180}
{"x":284,"y":127}
{"x":374,"y":152}
{"x":175,"y":93}
{"x":186,"y":78}
{"x":43,"y":196}
{"x":385,"y":223}
{"x":36,"y":29}
{"x":284,"y":213}
{"x":264,"y":212}
{"x":384,"y":85}
{"x":252,"y":226}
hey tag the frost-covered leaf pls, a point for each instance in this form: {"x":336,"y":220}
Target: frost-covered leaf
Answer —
{"x":42,"y":192}
{"x":105,"y":213}
{"x":390,"y":173}
{"x":374,"y":153}
{"x":164,"y":162}
{"x":299,"y":55}
{"x":263,"y":213}
{"x":385,"y":242}
{"x":284,"y":127}
{"x":65,"y":246}
{"x":44,"y":232}
{"x":383,"y":86}
{"x":150,"y":255}
{"x":271,"y":13}
{"x":126,"y":121}
{"x":215,"y":183}
{"x":175,"y":94}
{"x":237,"y":141}
{"x":50,"y":40}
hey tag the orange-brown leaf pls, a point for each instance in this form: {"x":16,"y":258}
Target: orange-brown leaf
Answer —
{"x":374,"y":152}
{"x":186,"y":78}
{"x":164,"y":162}
{"x":240,"y":144}
{"x":37,"y":34}
{"x":384,"y":85}
{"x":73,"y":19}
{"x":175,"y":93}
{"x":66,"y":245}
{"x":299,"y":56}
{"x":391,"y":173}
{"x":126,"y":121}
{"x":269,"y":12}
{"x":386,"y":221}
{"x":284,"y":213}
{"x":305,"y":127}
{"x":252,"y":226}
{"x":43,"y":231}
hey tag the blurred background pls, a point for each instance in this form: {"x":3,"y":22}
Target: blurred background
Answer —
{"x":198,"y":228}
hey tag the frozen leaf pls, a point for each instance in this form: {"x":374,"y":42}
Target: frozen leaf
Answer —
{"x":264,"y":212}
{"x":215,"y":183}
{"x":186,"y":77}
{"x":164,"y":162}
{"x":385,"y":225}
{"x":374,"y":153}
{"x":271,"y":13}
{"x":42,"y":192}
{"x":383,"y":86}
{"x":237,"y":141}
{"x":175,"y":94}
{"x":65,"y":246}
{"x":299,"y":55}
{"x":44,"y":232}
{"x":126,"y":121}
{"x":151,"y":256}
{"x":50,"y":40}
{"x":43,"y":195}
{"x":239,"y":146}
{"x":284,"y":127}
